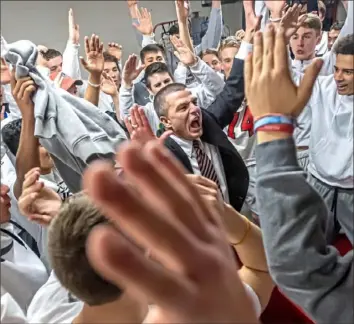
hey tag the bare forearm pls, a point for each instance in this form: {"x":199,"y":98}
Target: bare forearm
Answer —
{"x":250,"y":250}
{"x":184,"y":34}
{"x":27,"y":156}
{"x":92,"y":94}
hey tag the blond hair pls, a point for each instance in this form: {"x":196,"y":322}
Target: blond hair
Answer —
{"x":312,"y":21}
{"x":67,"y":236}
{"x":230,"y":41}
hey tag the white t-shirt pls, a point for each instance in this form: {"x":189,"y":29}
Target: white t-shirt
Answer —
{"x":11,"y":312}
{"x":22,"y":272}
{"x":53,"y":304}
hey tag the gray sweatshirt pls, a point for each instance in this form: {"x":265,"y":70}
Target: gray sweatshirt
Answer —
{"x":71,"y":129}
{"x":292,"y":214}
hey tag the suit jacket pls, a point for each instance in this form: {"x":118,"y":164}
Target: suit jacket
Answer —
{"x":218,"y":115}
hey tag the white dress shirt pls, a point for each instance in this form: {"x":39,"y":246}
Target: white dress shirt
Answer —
{"x":213,"y":153}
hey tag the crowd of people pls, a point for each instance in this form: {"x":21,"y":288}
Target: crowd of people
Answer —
{"x":184,"y":184}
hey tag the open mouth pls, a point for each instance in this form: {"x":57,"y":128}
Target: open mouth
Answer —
{"x":341,"y":86}
{"x":195,"y":125}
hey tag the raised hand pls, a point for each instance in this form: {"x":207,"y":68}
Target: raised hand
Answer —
{"x":22,"y":91}
{"x":94,"y":55}
{"x":131,"y":70}
{"x":145,"y":25}
{"x":195,"y":279}
{"x":139,"y":127}
{"x":267,"y":72}
{"x":291,"y":21}
{"x":116,"y":50}
{"x":182,"y":52}
{"x":276,"y":7}
{"x":74,"y":31}
{"x":132,"y":3}
{"x":182,"y":10}
{"x":253,"y":22}
{"x":37,"y":202}
{"x":108,"y":86}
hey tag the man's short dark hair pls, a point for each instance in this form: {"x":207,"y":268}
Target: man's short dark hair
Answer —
{"x":11,"y":133}
{"x":338,"y":25}
{"x":50,"y":54}
{"x":345,"y":45}
{"x":209,"y":51}
{"x":151,"y":48}
{"x":159,"y":100}
{"x":157,"y":67}
{"x":110,"y":58}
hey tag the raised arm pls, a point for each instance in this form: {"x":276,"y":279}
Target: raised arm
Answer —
{"x":231,"y":98}
{"x":145,"y":27}
{"x":182,"y":11}
{"x":329,"y":58}
{"x":71,"y":64}
{"x":305,"y":268}
{"x":27,"y":156}
{"x":94,"y":66}
{"x":212,"y":37}
{"x":133,"y":10}
{"x":131,"y":71}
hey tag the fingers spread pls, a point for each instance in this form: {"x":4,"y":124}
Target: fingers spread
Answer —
{"x":120,"y":262}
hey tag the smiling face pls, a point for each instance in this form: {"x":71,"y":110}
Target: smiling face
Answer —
{"x":344,"y":74}
{"x":182,"y":115}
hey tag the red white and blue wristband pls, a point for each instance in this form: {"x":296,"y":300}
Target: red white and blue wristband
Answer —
{"x":275,"y":123}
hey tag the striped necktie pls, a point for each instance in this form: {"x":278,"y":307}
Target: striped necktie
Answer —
{"x":206,"y":166}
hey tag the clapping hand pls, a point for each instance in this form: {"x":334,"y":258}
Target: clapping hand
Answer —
{"x":145,"y":25}
{"x":94,"y":55}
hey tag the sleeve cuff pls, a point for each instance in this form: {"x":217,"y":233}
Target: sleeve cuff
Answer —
{"x":276,"y":154}
{"x":197,"y":66}
{"x":244,"y":50}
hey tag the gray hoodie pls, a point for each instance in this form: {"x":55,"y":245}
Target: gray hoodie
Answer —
{"x":71,"y":129}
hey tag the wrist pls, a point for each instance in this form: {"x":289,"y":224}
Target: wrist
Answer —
{"x":95,"y":78}
{"x":128,"y":84}
{"x":150,"y":34}
{"x":194,"y":62}
{"x":275,"y":15}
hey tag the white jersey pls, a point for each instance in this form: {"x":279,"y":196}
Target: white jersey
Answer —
{"x":241,"y":134}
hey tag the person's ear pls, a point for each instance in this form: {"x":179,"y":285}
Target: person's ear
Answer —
{"x":166,"y":122}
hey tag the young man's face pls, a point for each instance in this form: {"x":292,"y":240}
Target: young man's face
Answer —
{"x":344,"y":74}
{"x":112,"y":70}
{"x":158,"y":81}
{"x":183,"y":116}
{"x":152,"y":57}
{"x":304,"y":42}
{"x":213,"y":61}
{"x":332,"y":37}
{"x":55,"y":64}
{"x":227,"y":56}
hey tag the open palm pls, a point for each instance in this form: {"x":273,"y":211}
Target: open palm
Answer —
{"x":182,"y":52}
{"x":94,"y":55}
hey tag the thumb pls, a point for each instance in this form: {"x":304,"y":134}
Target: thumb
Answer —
{"x":135,"y":25}
{"x":305,"y":89}
{"x":83,"y":62}
{"x":164,"y":136}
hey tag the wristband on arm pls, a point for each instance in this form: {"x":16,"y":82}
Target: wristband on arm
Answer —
{"x":275,"y":123}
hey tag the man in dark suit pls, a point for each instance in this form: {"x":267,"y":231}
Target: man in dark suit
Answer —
{"x":198,"y":140}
